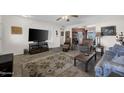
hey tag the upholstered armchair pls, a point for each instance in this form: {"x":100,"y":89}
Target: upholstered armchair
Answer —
{"x":86,"y":45}
{"x":67,"y":44}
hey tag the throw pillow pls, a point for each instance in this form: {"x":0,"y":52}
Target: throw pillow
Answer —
{"x":117,"y":48}
{"x":108,"y":56}
{"x":120,"y":53}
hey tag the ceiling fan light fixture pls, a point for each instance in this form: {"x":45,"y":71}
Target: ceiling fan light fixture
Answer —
{"x":68,"y":20}
{"x":66,"y":17}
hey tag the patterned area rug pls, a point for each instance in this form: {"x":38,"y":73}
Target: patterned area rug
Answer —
{"x":50,"y":66}
{"x":57,"y":65}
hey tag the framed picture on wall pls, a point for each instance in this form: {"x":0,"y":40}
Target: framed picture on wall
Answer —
{"x":108,"y":31}
{"x":16,"y":30}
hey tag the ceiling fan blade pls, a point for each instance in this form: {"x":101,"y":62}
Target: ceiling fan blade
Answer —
{"x":58,"y":18}
{"x":74,"y":15}
{"x":67,"y":17}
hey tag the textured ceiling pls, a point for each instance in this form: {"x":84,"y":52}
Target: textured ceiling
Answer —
{"x":52,"y":19}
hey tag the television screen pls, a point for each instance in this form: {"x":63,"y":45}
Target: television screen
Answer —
{"x":38,"y":35}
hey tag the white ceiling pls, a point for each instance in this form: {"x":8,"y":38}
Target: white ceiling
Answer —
{"x":52,"y":19}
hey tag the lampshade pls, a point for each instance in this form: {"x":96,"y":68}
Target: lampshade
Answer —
{"x":98,"y":34}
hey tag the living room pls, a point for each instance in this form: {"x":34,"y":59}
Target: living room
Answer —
{"x":15,"y":38}
{"x":61,"y":46}
{"x":26,"y":23}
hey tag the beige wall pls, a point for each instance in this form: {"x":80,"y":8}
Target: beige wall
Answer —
{"x":100,"y":21}
{"x":0,"y":35}
{"x":17,"y":43}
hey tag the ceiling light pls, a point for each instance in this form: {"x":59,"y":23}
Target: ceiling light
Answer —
{"x":65,"y":17}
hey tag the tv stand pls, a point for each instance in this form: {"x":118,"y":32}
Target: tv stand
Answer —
{"x":38,"y":47}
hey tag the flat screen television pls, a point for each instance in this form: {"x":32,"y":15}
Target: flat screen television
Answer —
{"x":38,"y":35}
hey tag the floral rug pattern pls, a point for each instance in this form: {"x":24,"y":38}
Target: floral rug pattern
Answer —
{"x":50,"y":66}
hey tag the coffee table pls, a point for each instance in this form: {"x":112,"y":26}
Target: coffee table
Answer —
{"x":85,"y":59}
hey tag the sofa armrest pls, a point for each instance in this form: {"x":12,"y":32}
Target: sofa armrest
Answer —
{"x":98,"y":71}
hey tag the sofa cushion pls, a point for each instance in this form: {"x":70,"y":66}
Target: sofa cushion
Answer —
{"x":119,"y":60}
{"x":106,"y":58}
{"x":120,"y":53}
{"x":110,"y":53}
{"x":118,"y":49}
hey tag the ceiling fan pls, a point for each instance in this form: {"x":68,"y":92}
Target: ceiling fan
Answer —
{"x":66,"y":17}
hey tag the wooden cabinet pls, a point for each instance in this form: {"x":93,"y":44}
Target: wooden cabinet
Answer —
{"x":6,"y":65}
{"x":38,"y":48}
{"x":75,"y":37}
